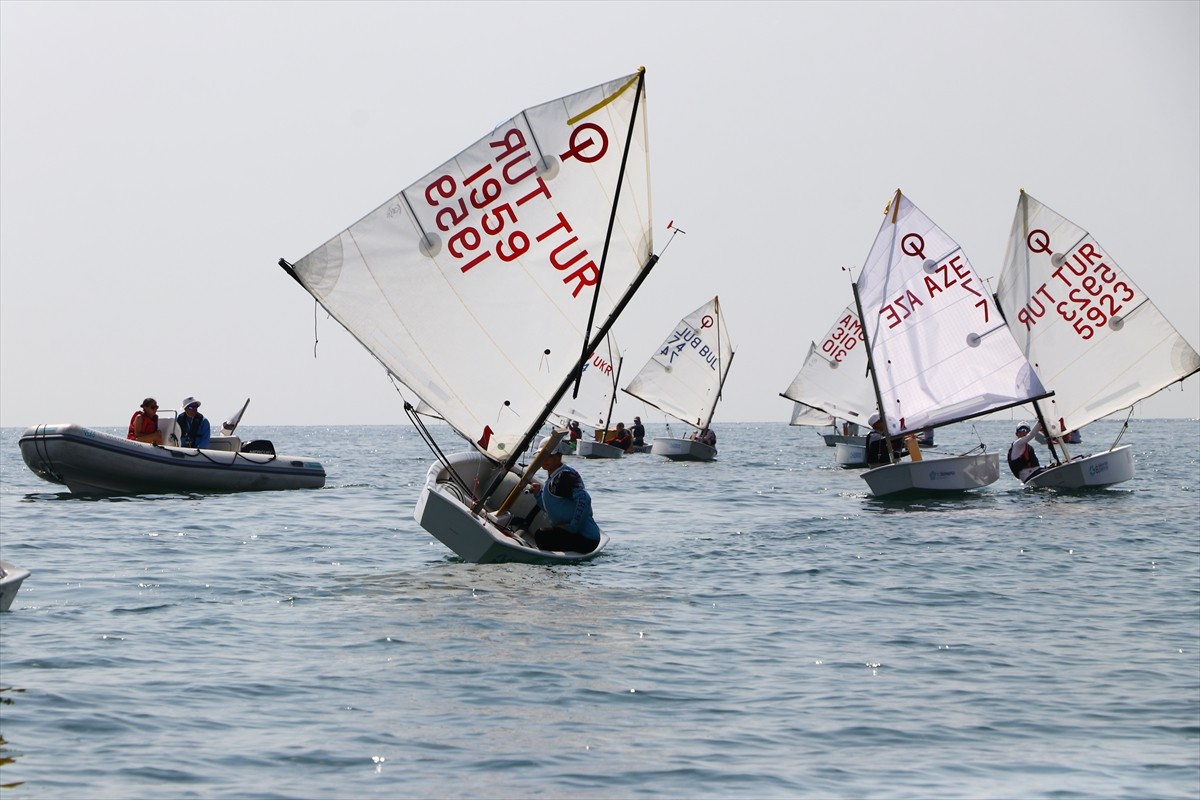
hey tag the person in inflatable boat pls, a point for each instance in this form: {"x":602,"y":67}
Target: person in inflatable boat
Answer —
{"x":194,"y":430}
{"x":568,"y":505}
{"x":143,"y":425}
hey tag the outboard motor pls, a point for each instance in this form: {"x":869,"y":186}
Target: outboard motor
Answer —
{"x":263,"y":446}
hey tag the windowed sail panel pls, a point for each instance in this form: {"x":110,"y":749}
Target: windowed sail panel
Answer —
{"x":474,"y":285}
{"x":1093,"y":336}
{"x":938,"y":344}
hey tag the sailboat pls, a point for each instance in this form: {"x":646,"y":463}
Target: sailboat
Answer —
{"x":600,"y":376}
{"x":1091,"y":334}
{"x":939,"y":351}
{"x":684,"y":377}
{"x":834,"y":379}
{"x":485,"y":286}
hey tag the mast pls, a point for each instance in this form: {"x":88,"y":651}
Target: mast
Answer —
{"x":612,"y":218}
{"x":571,"y":376}
{"x":871,"y":370}
{"x":612,"y":398}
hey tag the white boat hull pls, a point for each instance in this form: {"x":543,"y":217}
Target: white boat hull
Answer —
{"x":91,"y":462}
{"x":444,"y":511}
{"x":683,"y":449}
{"x":850,"y":455}
{"x":834,"y":439}
{"x":1087,"y":472}
{"x":933,"y":476}
{"x":11,"y":578}
{"x":586,"y":449}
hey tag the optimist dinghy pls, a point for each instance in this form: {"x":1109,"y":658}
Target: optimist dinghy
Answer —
{"x":938,"y":349}
{"x":684,"y":378}
{"x":484,"y":288}
{"x":1090,"y":333}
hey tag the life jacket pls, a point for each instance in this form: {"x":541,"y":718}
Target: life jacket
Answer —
{"x":189,"y":429}
{"x":1026,"y":460}
{"x":622,"y":440}
{"x":877,"y":448}
{"x":149,"y":425}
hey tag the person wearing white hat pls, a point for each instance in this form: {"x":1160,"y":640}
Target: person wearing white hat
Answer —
{"x":194,"y":428}
{"x":566,"y":503}
{"x":876,"y":443}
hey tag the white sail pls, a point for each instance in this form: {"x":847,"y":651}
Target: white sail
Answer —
{"x":474,"y":286}
{"x":808,"y":416}
{"x":834,"y":375}
{"x":939,"y":347}
{"x":1093,"y":336}
{"x":684,"y":376}
{"x":597,"y":388}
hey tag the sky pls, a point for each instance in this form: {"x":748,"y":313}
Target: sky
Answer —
{"x":158,"y":159}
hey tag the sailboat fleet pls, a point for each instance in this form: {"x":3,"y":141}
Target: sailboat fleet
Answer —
{"x":548,"y":218}
{"x":489,"y":289}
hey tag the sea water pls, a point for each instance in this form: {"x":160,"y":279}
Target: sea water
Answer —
{"x":759,"y":627}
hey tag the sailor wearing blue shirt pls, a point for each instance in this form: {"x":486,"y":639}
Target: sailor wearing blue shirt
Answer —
{"x":567,"y":504}
{"x":194,"y":430}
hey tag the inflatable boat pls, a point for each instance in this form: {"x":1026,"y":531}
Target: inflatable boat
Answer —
{"x":91,"y":462}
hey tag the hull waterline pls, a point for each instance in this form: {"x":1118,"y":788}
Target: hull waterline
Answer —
{"x":683,"y":449}
{"x":934,"y":476}
{"x":443,"y":510}
{"x":1087,"y":472}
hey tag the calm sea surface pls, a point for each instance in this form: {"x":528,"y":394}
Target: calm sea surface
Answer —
{"x":759,"y":627}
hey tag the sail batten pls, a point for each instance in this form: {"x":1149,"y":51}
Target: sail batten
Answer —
{"x":1092,"y":334}
{"x":477,"y":285}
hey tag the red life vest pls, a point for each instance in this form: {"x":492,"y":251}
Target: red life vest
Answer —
{"x":149,"y":425}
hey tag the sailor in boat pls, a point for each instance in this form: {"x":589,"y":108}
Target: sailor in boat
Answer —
{"x":575,"y":432}
{"x":639,"y":432}
{"x":194,"y":428}
{"x":621,"y":439}
{"x":876,"y":444}
{"x":567,"y":503}
{"x":706,"y":436}
{"x":1021,"y":459}
{"x":143,"y":425}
